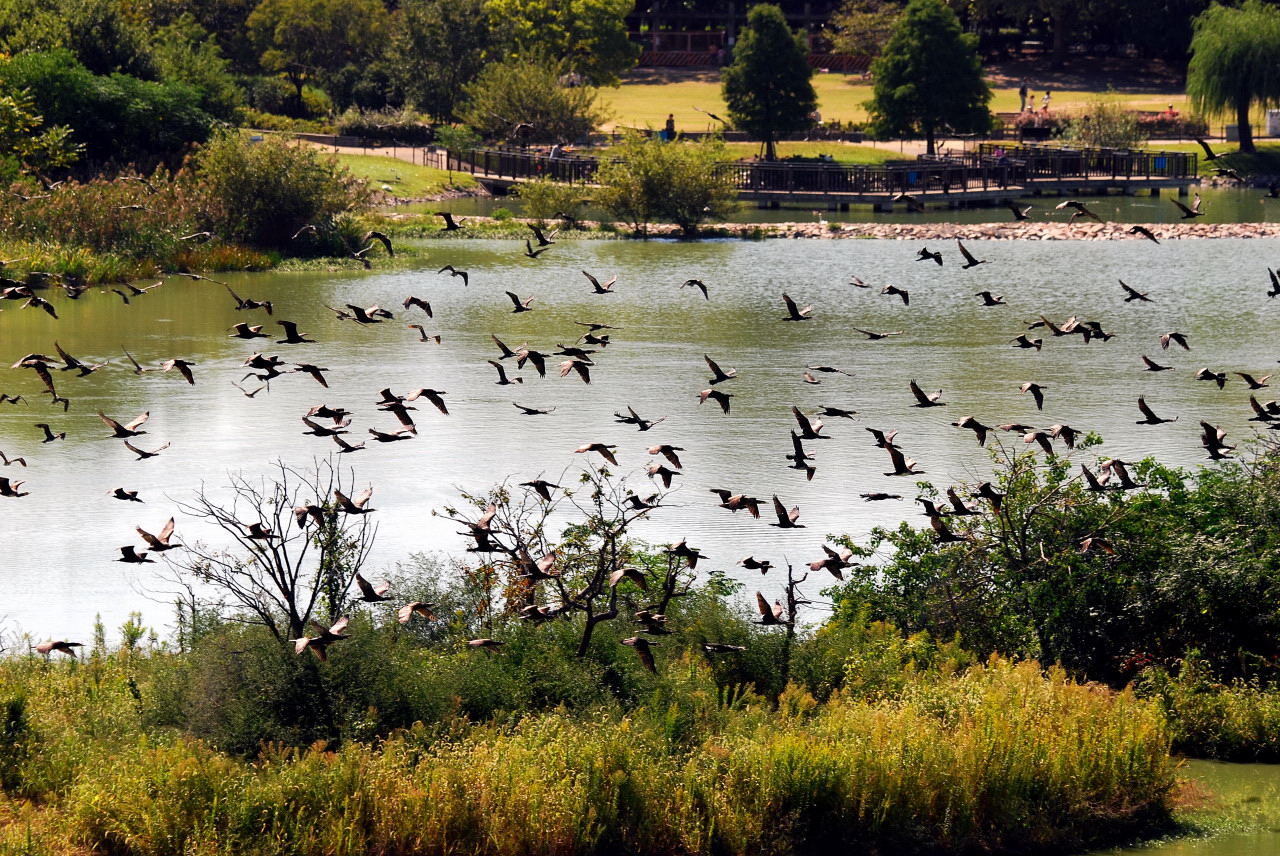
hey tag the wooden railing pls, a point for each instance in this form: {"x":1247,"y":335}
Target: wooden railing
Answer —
{"x":989,"y":166}
{"x":1056,"y":162}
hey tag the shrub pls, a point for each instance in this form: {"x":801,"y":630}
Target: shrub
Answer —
{"x":396,"y":126}
{"x":545,"y":199}
{"x":1181,"y":562}
{"x":116,"y":117}
{"x":262,"y":193}
{"x":523,"y":100}
{"x":643,"y":180}
{"x":1106,"y":124}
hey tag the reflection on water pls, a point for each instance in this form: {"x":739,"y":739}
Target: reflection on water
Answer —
{"x":1220,"y":205}
{"x":61,"y":541}
{"x":1244,"y":797}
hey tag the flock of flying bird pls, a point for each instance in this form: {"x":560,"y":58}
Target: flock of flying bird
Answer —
{"x":580,"y":361}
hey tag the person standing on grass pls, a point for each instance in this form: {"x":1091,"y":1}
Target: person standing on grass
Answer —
{"x":1022,"y":93}
{"x":1044,"y":105}
{"x":669,"y":133}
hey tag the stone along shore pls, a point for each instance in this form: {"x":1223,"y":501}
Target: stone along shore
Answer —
{"x":1010,"y":231}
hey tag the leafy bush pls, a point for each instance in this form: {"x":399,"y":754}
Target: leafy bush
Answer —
{"x":1182,"y":562}
{"x":1234,"y":721}
{"x":262,"y":193}
{"x":1106,"y":124}
{"x":545,"y":199}
{"x":523,"y":100}
{"x":117,"y":117}
{"x":643,"y":180}
{"x":398,"y":126}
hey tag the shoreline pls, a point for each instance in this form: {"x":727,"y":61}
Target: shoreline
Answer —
{"x":488,"y":227}
{"x":1007,"y":231}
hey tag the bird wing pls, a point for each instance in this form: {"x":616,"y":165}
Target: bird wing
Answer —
{"x":167,"y":532}
{"x":781,"y":511}
{"x":806,"y":427}
{"x":1185,"y":209}
{"x":366,"y":590}
{"x":968,"y":256}
{"x":111,"y":423}
{"x":1146,"y":411}
{"x":763,"y":605}
{"x":919,"y":394}
{"x":363,"y":497}
{"x":595,"y":283}
{"x":514,"y":299}
{"x":791,"y":305}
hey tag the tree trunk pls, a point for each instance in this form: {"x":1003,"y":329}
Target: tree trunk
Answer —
{"x":1242,"y":123}
{"x":928,"y":138}
{"x":1063,"y":23}
{"x":770,"y":150}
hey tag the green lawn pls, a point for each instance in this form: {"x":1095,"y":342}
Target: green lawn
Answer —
{"x":406,"y":180}
{"x":1265,"y":161}
{"x":840,"y":96}
{"x":842,"y":152}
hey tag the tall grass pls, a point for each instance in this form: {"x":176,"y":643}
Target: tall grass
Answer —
{"x":998,"y":757}
{"x":1235,"y":721}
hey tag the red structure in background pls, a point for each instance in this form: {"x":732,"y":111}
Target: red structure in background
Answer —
{"x":701,"y":33}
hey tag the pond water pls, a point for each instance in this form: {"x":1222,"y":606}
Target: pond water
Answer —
{"x":1220,"y":205}
{"x":1243,"y":804}
{"x":61,"y":541}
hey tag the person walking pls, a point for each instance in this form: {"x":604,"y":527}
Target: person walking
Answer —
{"x":1044,"y":105}
{"x":1022,"y":93}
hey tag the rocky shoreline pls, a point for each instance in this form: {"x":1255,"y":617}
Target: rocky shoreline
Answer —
{"x":1010,"y":231}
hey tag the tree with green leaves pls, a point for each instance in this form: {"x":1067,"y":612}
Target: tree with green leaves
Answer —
{"x":768,"y":87}
{"x":589,"y":36}
{"x":26,"y":146}
{"x":436,"y":47}
{"x":929,"y":77}
{"x":313,"y":39}
{"x":187,"y":53}
{"x":1234,"y":63}
{"x":646,"y":179}
{"x":863,"y":27}
{"x":526,"y":101}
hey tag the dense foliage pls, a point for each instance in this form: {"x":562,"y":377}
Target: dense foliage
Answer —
{"x":929,"y":77}
{"x":262,"y":193}
{"x":240,"y":747}
{"x":528,"y":101}
{"x":644,"y":180}
{"x":768,"y":87}
{"x":115,"y":117}
{"x":1233,"y":62}
{"x":1105,"y":582}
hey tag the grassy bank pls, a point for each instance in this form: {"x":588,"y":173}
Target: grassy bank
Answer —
{"x":406,"y":180}
{"x":985,"y":760}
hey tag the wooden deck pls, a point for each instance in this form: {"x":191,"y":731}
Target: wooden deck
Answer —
{"x":989,"y":175}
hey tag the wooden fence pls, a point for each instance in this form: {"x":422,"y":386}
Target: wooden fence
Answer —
{"x":989,"y":166}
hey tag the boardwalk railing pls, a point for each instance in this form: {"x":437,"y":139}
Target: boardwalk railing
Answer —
{"x":990,"y":166}
{"x":1056,"y":162}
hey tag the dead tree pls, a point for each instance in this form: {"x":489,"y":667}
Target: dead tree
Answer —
{"x":578,"y":567}
{"x":292,"y":548}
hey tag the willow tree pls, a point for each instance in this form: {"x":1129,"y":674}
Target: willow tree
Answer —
{"x":929,"y":77}
{"x":1234,"y":63}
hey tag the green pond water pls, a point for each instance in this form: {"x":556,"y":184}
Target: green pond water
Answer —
{"x":1241,"y":813}
{"x":62,"y":540}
